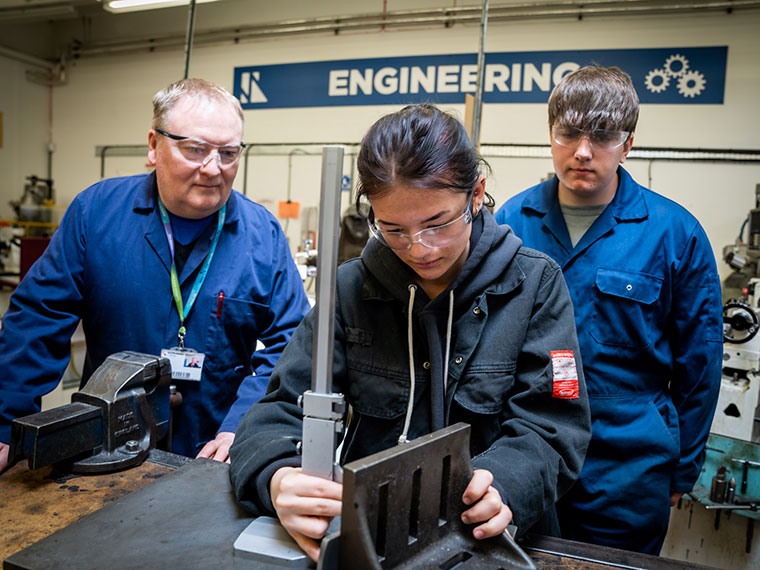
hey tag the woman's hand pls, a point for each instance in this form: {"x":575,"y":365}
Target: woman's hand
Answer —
{"x":487,"y":506}
{"x":305,"y":506}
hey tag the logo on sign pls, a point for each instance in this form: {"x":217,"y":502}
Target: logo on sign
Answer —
{"x":676,"y":70}
{"x":249,"y":90}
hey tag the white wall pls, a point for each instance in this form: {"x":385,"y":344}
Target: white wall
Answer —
{"x":24,"y":106}
{"x":107,"y":101}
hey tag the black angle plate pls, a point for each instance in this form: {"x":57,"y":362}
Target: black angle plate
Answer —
{"x":402,"y":509}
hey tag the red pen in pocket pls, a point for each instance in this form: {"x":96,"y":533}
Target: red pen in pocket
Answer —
{"x":219,"y":303}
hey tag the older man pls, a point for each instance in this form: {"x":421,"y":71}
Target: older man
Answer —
{"x":154,"y":262}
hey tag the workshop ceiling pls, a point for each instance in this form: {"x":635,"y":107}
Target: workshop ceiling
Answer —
{"x":42,"y":10}
{"x":63,"y":30}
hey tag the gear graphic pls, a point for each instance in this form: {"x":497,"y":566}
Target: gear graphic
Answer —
{"x":691,"y":84}
{"x":681,"y":65}
{"x":657,"y":80}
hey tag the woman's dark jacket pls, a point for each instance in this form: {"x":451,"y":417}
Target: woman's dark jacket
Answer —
{"x":511,"y":311}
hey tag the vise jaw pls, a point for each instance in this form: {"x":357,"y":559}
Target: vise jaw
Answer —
{"x":112,"y":423}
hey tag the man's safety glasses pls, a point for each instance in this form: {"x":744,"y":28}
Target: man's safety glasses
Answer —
{"x":200,"y":152}
{"x":602,"y":139}
{"x":438,"y":236}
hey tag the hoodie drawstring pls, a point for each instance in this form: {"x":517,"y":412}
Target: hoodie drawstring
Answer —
{"x":410,"y":340}
{"x":448,"y":341}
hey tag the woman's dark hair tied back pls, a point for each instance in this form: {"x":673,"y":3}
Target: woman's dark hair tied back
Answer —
{"x":419,"y":146}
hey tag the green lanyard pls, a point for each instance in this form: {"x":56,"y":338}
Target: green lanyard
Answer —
{"x":184,"y":311}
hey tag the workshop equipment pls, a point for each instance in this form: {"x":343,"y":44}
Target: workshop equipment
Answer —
{"x":718,"y":488}
{"x":264,"y":540}
{"x":323,"y":410}
{"x":740,"y":382}
{"x":730,"y":462}
{"x":743,"y":255}
{"x":112,"y":423}
{"x":732,"y":445}
{"x":36,"y":209}
{"x":188,"y":519}
{"x":36,"y":200}
{"x":354,"y":233}
{"x":731,"y":491}
{"x":402,"y":509}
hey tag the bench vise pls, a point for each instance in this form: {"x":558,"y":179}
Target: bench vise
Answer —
{"x":112,"y":423}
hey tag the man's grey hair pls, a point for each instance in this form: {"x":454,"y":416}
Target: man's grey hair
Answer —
{"x":165,"y":100}
{"x":595,"y":97}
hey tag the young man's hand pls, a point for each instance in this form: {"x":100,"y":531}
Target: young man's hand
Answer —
{"x":305,"y":506}
{"x":487,"y":506}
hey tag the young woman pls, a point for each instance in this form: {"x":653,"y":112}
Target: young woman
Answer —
{"x":444,"y":318}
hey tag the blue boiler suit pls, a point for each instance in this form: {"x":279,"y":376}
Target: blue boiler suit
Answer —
{"x":108,"y":265}
{"x":647,"y":301}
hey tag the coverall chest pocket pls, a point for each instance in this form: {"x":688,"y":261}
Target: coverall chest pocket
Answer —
{"x":232,"y":332}
{"x":625,"y":305}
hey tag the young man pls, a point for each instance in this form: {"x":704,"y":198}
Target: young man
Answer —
{"x":111,"y":263}
{"x":646,"y":293}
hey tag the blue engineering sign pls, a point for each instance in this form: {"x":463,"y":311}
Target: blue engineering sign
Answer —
{"x":681,"y":75}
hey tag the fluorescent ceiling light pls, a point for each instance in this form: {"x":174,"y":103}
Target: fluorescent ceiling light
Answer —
{"x":120,"y":6}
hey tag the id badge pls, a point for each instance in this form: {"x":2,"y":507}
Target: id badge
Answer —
{"x":186,"y":363}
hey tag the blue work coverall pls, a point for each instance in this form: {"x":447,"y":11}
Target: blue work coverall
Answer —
{"x":646,"y":293}
{"x":108,"y":265}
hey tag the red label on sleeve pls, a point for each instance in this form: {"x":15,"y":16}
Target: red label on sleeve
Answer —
{"x":564,"y":375}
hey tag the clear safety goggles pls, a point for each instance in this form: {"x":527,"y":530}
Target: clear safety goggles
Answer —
{"x":437,"y":236}
{"x":200,"y":152}
{"x":602,"y":139}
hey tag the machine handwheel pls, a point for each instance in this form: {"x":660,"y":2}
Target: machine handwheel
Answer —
{"x":740,"y":322}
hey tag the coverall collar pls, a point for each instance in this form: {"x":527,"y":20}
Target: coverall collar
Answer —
{"x":145,"y":203}
{"x":145,"y":199}
{"x":627,"y":205}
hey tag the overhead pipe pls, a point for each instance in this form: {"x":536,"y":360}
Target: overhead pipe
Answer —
{"x":280,"y":149}
{"x":28,"y":59}
{"x":248,"y":148}
{"x":39,"y":11}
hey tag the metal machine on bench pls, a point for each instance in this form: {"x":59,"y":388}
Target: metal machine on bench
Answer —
{"x":112,"y":423}
{"x":730,"y":477}
{"x":740,"y":385}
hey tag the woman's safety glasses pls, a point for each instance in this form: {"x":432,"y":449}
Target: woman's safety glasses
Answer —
{"x":437,"y":236}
